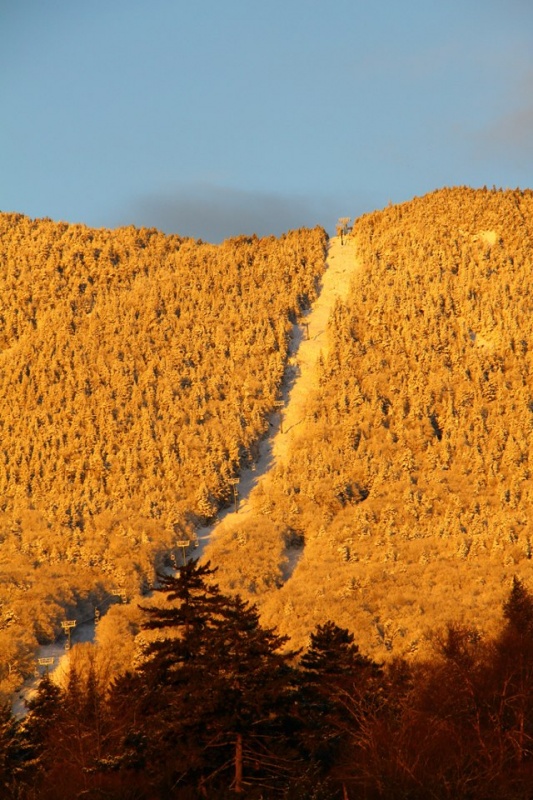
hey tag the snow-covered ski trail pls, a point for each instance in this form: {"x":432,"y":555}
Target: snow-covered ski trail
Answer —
{"x":308,"y":341}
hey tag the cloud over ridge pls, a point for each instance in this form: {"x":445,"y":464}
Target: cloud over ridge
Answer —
{"x":213,"y":213}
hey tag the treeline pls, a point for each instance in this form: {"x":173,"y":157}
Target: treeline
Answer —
{"x":137,"y":371}
{"x":216,"y":707}
{"x":408,"y":494}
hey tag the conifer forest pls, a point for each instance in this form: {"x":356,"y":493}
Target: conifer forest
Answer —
{"x":359,"y":624}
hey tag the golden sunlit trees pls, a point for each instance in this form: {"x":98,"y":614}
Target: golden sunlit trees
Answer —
{"x":414,"y":460}
{"x":136,"y":374}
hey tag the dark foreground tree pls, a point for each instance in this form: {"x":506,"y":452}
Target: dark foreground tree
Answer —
{"x":518,"y":609}
{"x":339,"y":687}
{"x":40,"y":729}
{"x":69,"y":734}
{"x":210,"y":699}
{"x":461,"y":727}
{"x":14,"y":755}
{"x":511,"y":686}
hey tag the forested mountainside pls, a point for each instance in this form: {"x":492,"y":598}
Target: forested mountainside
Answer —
{"x":406,"y":499}
{"x":136,"y":374}
{"x":388,"y":550}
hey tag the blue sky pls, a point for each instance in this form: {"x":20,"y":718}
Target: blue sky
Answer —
{"x":212,"y":119}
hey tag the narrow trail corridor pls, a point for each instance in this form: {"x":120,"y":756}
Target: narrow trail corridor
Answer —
{"x":308,"y":341}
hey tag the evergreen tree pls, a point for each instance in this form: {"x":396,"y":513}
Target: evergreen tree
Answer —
{"x":332,"y":652}
{"x":14,"y":755}
{"x":212,"y":691}
{"x":39,"y":730}
{"x":518,"y":608}
{"x":512,"y":682}
{"x":338,"y":687}
{"x":68,"y":733}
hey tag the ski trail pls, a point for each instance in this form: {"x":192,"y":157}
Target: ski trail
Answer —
{"x":57,"y":656}
{"x":341,"y":264}
{"x":308,"y":341}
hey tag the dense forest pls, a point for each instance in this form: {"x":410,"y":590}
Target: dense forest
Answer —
{"x":137,"y":371}
{"x":215,"y":708}
{"x":405,"y":500}
{"x":370,"y":630}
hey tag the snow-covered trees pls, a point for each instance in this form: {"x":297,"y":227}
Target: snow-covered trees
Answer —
{"x":136,"y":374}
{"x":410,"y":482}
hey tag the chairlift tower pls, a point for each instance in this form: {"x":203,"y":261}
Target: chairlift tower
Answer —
{"x":67,"y":626}
{"x":235,"y":482}
{"x":183,"y":543}
{"x":46,"y":662}
{"x":280,"y":405}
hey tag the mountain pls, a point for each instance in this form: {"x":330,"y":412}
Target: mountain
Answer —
{"x":138,"y":375}
{"x":368,"y":418}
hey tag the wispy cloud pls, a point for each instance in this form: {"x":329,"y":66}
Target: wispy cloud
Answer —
{"x":214,"y":213}
{"x":514,"y":132}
